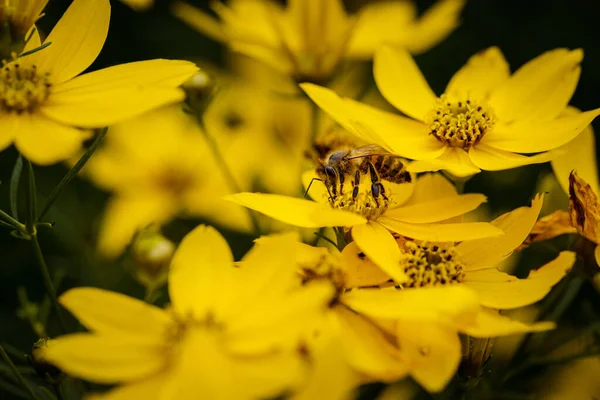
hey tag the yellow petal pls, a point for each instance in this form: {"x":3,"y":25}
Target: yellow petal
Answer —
{"x":430,"y":187}
{"x":597,"y":255}
{"x":111,"y":313}
{"x":483,"y":72}
{"x":9,"y":123}
{"x":401,"y":83}
{"x":579,"y":155}
{"x":451,"y":232}
{"x":139,"y":5}
{"x":437,"y":210}
{"x":124,"y":216}
{"x":104,"y":359}
{"x":76,"y":40}
{"x":359,"y":270}
{"x":454,"y":160}
{"x":491,"y":159}
{"x":433,"y":351}
{"x":450,"y":305}
{"x":434,"y":25}
{"x":379,"y":245}
{"x":541,"y":88}
{"x":43,"y":141}
{"x":143,"y":389}
{"x":491,"y":324}
{"x":316,"y":189}
{"x":497,"y":289}
{"x":199,"y":20}
{"x":201,"y":272}
{"x":297,"y":212}
{"x":533,"y":136}
{"x":367,"y":349}
{"x":517,"y":225}
{"x":377,"y":126}
{"x":379,"y":23}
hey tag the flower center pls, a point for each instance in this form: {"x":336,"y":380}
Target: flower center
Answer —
{"x":430,"y":265}
{"x":364,"y":204}
{"x":324,"y":267}
{"x":22,"y":89}
{"x":174,"y":181}
{"x":460,"y":123}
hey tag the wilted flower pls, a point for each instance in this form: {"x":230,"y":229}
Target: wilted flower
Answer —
{"x":484,"y":119}
{"x":229,"y":333}
{"x":309,"y":38}
{"x":42,"y":99}
{"x":17,"y":18}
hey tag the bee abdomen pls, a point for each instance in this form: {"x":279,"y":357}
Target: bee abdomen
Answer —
{"x":396,"y":172}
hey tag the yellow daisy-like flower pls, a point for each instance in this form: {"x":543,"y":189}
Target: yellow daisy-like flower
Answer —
{"x":42,"y":99}
{"x":371,"y":221}
{"x":17,"y":18}
{"x":230,"y":332}
{"x":380,"y":334}
{"x":158,"y":166}
{"x":483,"y":121}
{"x":308,"y":38}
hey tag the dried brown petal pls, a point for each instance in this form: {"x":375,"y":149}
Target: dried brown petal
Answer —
{"x":552,"y":225}
{"x":584,"y":210}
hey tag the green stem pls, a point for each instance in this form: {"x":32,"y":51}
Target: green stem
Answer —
{"x":13,"y":222}
{"x":48,"y":280}
{"x":17,"y":374}
{"x":233,"y":185}
{"x":314,"y":121}
{"x":73,"y":172}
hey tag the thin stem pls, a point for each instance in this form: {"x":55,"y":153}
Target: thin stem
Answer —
{"x":13,"y":222}
{"x":17,"y":374}
{"x":73,"y":172}
{"x":48,"y":280}
{"x":233,"y":185}
{"x":314,"y":122}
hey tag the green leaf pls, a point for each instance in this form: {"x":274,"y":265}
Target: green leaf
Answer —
{"x":14,"y":186}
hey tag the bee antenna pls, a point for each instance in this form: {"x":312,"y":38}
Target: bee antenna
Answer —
{"x":310,"y":184}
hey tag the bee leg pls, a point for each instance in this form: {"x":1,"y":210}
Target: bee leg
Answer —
{"x":356,"y":184}
{"x":342,"y":178}
{"x":331,"y":179}
{"x":375,"y":191}
{"x":382,"y":190}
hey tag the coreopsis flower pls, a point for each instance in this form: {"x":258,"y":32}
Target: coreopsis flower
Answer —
{"x":155,"y":177}
{"x":485,"y":119}
{"x":229,"y":333}
{"x":43,"y":101}
{"x":309,"y":38}
{"x":412,"y":210}
{"x":17,"y":17}
{"x":380,"y":334}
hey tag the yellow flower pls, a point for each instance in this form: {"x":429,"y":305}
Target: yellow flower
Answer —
{"x":230,"y":332}
{"x":42,"y":99}
{"x":371,"y":221}
{"x":484,"y":119}
{"x":382,"y":334}
{"x":158,"y":166}
{"x":309,"y":38}
{"x":17,"y":18}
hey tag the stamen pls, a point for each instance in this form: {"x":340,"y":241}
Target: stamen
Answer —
{"x":430,"y":265}
{"x":364,"y":204}
{"x":22,"y":89}
{"x":460,"y":123}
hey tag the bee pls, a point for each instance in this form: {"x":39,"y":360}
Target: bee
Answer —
{"x":371,"y":159}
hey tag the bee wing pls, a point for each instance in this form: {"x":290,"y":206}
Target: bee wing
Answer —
{"x":367,"y":150}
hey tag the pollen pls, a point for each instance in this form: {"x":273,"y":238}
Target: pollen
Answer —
{"x":430,"y":265}
{"x":22,"y":89}
{"x":365,"y":204}
{"x":460,"y":123}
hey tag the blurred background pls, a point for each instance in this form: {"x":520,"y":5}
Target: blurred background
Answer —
{"x":522,"y":29}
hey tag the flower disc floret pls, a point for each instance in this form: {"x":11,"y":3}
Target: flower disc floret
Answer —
{"x":460,"y":123}
{"x":22,"y":89}
{"x":365,"y":204}
{"x":428,"y":265}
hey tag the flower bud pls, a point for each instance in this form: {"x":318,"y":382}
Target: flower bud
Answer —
{"x":42,"y":367}
{"x":151,"y":253}
{"x":200,"y":89}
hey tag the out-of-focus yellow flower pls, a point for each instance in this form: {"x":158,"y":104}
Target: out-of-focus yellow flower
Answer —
{"x":392,"y":332}
{"x":371,"y":221}
{"x":139,"y":5}
{"x":158,"y":166}
{"x":309,"y":38}
{"x":230,"y":332}
{"x":17,"y":17}
{"x":42,"y":99}
{"x":484,"y":119}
